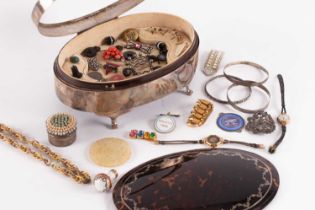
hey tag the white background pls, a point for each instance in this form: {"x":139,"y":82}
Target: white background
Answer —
{"x":276,"y":34}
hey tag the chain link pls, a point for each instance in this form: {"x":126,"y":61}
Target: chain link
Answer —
{"x":44,"y":154}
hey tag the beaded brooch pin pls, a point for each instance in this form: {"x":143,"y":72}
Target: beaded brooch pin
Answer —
{"x":149,"y":136}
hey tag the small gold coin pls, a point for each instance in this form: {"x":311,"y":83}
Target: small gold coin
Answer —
{"x":110,"y":152}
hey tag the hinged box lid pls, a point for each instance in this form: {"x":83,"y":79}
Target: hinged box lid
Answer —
{"x":79,"y":24}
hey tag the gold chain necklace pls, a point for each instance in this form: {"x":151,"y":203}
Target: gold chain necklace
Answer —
{"x":44,"y":154}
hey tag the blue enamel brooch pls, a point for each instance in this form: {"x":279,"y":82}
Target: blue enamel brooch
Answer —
{"x":230,"y":122}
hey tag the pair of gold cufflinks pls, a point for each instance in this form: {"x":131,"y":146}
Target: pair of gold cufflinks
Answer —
{"x":200,"y":113}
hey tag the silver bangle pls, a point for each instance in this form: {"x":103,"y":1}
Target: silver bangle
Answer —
{"x":249,"y":111}
{"x":222,"y":101}
{"x":236,"y":80}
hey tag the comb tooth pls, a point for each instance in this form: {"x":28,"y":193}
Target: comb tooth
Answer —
{"x":197,"y":116}
{"x":202,"y":106}
{"x":200,"y":111}
{"x":205,"y":102}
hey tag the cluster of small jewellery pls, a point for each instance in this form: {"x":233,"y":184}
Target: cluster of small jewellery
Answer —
{"x":133,"y":58}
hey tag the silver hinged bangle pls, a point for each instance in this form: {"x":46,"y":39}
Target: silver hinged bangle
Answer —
{"x":248,"y":111}
{"x":221,"y":100}
{"x":236,"y":80}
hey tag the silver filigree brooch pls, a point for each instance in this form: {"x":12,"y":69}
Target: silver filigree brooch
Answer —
{"x":261,"y":123}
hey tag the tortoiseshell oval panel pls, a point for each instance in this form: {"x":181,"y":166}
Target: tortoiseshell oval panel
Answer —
{"x":219,"y":179}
